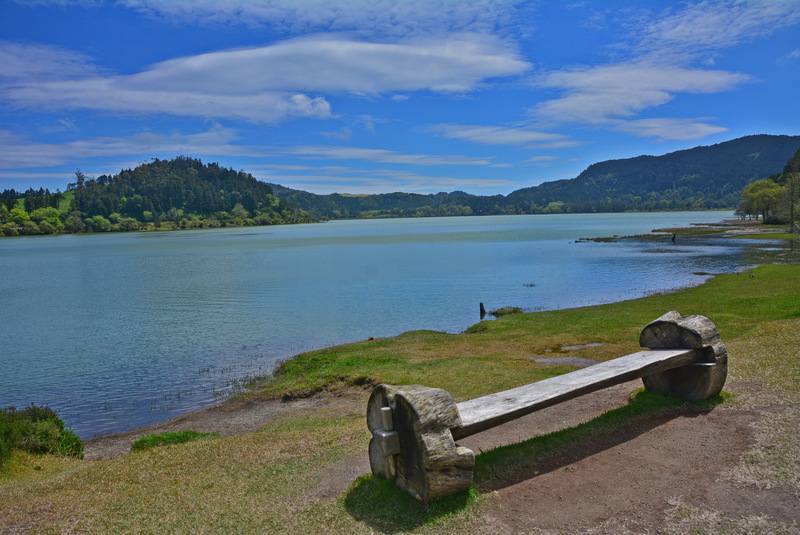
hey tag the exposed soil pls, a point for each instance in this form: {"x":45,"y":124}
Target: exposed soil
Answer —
{"x":227,"y":419}
{"x":662,"y":468}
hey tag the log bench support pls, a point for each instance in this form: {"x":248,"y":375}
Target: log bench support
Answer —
{"x":414,"y":428}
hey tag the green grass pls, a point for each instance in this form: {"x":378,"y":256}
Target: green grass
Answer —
{"x":166,"y":439}
{"x":772,"y":236}
{"x":63,"y":206}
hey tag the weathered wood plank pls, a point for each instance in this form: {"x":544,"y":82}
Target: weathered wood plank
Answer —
{"x":488,"y":411}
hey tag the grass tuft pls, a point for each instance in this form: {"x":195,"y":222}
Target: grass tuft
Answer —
{"x":164,"y":439}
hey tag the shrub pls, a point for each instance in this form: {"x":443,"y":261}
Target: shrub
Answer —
{"x":29,"y":228}
{"x":9,"y":229}
{"x":9,"y":436}
{"x":36,"y":430}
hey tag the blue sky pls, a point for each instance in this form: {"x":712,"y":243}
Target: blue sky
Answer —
{"x":373,"y":96}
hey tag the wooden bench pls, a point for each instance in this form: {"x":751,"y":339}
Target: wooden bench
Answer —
{"x":414,"y":428}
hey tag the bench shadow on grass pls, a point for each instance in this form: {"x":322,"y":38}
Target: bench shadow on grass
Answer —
{"x":384,"y":507}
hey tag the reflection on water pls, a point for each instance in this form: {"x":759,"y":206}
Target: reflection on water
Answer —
{"x":121,"y":330}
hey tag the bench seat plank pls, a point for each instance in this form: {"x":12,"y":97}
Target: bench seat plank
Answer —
{"x":485,"y":412}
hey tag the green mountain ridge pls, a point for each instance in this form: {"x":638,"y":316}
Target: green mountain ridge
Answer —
{"x":704,"y":177}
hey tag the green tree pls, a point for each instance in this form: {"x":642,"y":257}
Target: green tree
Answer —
{"x":51,"y":215}
{"x":18,"y":215}
{"x":763,"y":197}
{"x":792,"y":186}
{"x":239,"y":211}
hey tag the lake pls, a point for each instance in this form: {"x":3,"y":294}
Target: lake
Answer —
{"x":120,"y":330}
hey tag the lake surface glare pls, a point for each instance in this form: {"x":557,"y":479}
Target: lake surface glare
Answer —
{"x":120,"y":330}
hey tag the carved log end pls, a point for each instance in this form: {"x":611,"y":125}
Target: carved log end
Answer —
{"x":427,"y":463}
{"x":695,"y":381}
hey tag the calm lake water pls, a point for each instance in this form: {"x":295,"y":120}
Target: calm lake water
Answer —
{"x":120,"y":330}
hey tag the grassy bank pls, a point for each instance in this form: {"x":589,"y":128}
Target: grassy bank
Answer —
{"x":273,"y":480}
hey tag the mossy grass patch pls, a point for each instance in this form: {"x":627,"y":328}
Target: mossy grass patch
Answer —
{"x":165,"y":439}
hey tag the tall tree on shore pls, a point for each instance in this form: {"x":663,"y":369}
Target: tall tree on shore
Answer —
{"x":791,"y":175}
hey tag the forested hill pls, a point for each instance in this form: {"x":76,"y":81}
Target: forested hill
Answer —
{"x":706,"y":177}
{"x":163,"y":194}
{"x":181,"y":190}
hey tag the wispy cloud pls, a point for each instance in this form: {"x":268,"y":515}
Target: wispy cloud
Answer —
{"x":793,"y":55}
{"x":261,"y":85}
{"x":604,"y":94}
{"x":18,"y":152}
{"x":669,"y":128}
{"x":343,"y":134}
{"x":387,"y":18}
{"x":500,"y":135}
{"x":692,"y":30}
{"x":325,"y":152}
{"x":29,"y":61}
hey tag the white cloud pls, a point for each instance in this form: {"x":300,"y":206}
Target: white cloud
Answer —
{"x":344,"y":134}
{"x":328,"y":65}
{"x":794,"y":54}
{"x":669,"y":128}
{"x":709,"y":26}
{"x":265,"y":84}
{"x":27,"y":61}
{"x":500,"y":135}
{"x":378,"y":156}
{"x":18,"y":152}
{"x":111,"y":95}
{"x":387,"y":18}
{"x":598,"y":95}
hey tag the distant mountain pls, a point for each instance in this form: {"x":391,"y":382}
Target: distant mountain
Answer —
{"x":699,"y":178}
{"x":705,"y":177}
